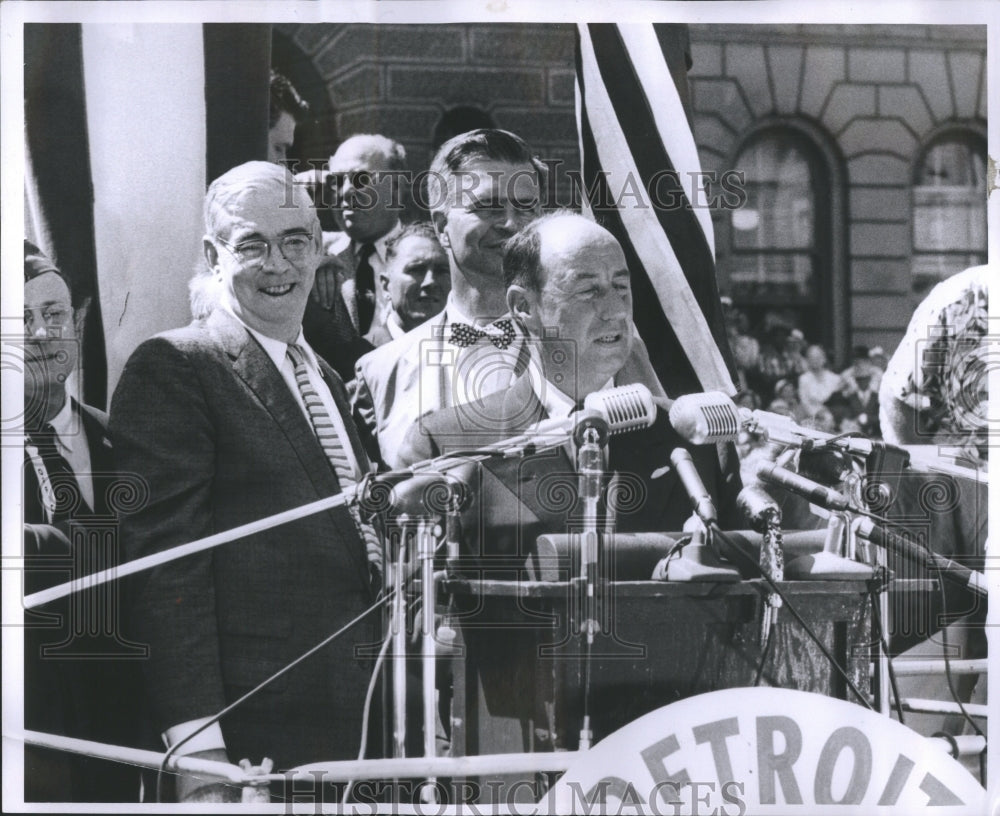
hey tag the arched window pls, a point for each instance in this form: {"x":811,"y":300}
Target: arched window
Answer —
{"x":780,"y":250}
{"x":949,"y":207}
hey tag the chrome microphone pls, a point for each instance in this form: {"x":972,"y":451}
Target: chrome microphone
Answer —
{"x":625,"y":407}
{"x":712,"y":417}
{"x":825,"y":497}
{"x":701,"y":499}
{"x":622,"y":409}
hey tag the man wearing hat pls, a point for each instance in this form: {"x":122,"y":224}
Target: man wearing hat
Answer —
{"x":72,"y":683}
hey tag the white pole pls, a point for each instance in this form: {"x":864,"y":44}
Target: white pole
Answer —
{"x":207,"y":543}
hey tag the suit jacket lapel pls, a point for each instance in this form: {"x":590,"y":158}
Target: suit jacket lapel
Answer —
{"x":336,"y":386}
{"x":432,"y":371}
{"x":254,"y":367}
{"x":101,"y":458}
{"x":520,"y":408}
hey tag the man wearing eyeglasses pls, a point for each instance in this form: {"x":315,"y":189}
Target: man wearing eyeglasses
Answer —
{"x":230,"y":420}
{"x":67,"y":472}
{"x":365,"y":179}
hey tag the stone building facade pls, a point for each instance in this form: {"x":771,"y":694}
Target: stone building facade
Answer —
{"x":863,"y":147}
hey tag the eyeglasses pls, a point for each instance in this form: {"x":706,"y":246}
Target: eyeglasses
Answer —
{"x":358,"y":179}
{"x":56,"y":317}
{"x":295,"y":248}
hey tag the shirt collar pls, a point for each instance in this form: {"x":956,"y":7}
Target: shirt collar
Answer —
{"x":64,"y":426}
{"x":276,"y":349}
{"x":557,"y":404}
{"x":453,"y":313}
{"x":393,"y":326}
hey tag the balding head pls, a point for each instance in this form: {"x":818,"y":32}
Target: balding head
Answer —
{"x":568,"y":283}
{"x":367,"y":181}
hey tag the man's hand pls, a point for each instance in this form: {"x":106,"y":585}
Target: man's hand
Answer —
{"x":196,"y":788}
{"x":329,"y":275}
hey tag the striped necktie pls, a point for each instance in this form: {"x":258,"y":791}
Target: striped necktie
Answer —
{"x":332,"y":446}
{"x":64,"y":497}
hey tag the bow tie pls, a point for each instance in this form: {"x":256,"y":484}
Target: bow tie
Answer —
{"x":500,"y":333}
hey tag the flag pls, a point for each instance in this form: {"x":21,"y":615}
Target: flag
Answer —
{"x":638,"y":156}
{"x":125,"y":125}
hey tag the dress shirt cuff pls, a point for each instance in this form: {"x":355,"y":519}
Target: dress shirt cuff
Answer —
{"x":208,"y":740}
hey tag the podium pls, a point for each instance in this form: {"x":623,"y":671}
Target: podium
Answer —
{"x":518,"y":682}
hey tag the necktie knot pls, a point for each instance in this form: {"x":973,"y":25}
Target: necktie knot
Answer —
{"x":296,"y":354}
{"x":500,"y":333}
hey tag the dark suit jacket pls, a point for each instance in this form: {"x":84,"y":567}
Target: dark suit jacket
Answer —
{"x":81,"y":674}
{"x":514,"y":500}
{"x":333,"y":337}
{"x":207,"y":420}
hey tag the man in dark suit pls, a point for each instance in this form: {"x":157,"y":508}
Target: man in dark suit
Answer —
{"x":229,"y":420}
{"x":79,"y":681}
{"x":569,"y":287}
{"x":416,"y":281}
{"x":366,"y":180}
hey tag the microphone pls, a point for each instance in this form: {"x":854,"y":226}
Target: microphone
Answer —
{"x":951,"y":570}
{"x":712,"y":417}
{"x":758,"y":508}
{"x":623,"y":408}
{"x":704,"y":507}
{"x":816,"y":493}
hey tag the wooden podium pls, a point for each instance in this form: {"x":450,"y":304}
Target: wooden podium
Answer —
{"x":519,"y":675}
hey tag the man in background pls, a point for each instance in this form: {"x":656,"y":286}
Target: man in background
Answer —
{"x":416,"y":281}
{"x":484,"y":186}
{"x":74,"y":682}
{"x":285,"y":111}
{"x":366,"y":178}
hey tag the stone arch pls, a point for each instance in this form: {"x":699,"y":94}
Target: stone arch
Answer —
{"x":831,"y":313}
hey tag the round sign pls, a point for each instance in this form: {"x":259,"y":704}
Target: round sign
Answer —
{"x":764,"y":751}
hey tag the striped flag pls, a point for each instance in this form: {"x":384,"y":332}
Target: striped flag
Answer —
{"x":637,"y":154}
{"x":125,"y":124}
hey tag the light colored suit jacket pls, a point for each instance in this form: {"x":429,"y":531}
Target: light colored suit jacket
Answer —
{"x":421,"y":372}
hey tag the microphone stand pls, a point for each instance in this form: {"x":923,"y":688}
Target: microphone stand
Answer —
{"x":772,"y":564}
{"x":428,"y":587}
{"x":590,"y":467}
{"x":395,"y":574}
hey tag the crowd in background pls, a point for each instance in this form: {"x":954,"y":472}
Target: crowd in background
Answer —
{"x":779,"y":371}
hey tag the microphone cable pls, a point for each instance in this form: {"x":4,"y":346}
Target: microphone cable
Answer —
{"x":882,"y":577}
{"x":795,"y":614}
{"x":379,"y":662}
{"x":947,"y":660}
{"x":161,"y":772}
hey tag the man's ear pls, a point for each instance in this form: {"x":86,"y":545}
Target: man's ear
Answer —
{"x":519,"y":302}
{"x":384,"y":280}
{"x":211,"y":253}
{"x":80,"y":316}
{"x":440,"y":221}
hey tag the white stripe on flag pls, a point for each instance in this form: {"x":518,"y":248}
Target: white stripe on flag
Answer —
{"x":647,"y":236}
{"x":647,"y":59}
{"x":145,"y":89}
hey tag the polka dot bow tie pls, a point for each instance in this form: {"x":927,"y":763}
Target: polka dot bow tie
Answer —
{"x":500,"y":333}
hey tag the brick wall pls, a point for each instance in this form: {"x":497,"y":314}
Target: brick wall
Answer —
{"x":400,"y":79}
{"x":878,"y":93}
